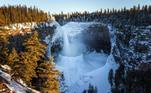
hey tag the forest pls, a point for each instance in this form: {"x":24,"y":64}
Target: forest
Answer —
{"x":137,"y":16}
{"x":21,"y":14}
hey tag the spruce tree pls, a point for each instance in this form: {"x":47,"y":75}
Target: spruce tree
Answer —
{"x":3,"y":48}
{"x":27,"y":68}
{"x":33,"y":52}
{"x":47,"y":78}
{"x":13,"y":58}
{"x":34,"y":47}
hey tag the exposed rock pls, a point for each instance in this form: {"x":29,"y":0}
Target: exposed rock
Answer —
{"x":96,"y":37}
{"x":132,"y":51}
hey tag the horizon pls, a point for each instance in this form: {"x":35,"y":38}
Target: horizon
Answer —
{"x":68,"y":6}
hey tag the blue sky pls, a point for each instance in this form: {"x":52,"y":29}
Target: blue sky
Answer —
{"x":56,"y":6}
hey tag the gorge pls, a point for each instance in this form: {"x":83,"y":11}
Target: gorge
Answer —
{"x":83,"y":65}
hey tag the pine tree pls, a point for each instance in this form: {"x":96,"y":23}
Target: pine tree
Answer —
{"x":47,"y":77}
{"x":34,"y":47}
{"x":25,"y":68}
{"x":28,"y":68}
{"x":20,"y":14}
{"x":13,"y":57}
{"x":16,"y":65}
{"x":34,"y":51}
{"x":3,"y":48}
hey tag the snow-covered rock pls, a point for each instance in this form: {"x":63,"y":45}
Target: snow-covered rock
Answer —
{"x":14,"y":86}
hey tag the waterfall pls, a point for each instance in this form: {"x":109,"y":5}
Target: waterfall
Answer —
{"x":52,"y":40}
{"x":49,"y":50}
{"x":66,"y":45}
{"x":78,"y":67}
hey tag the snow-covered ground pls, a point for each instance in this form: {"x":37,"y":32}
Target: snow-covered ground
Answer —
{"x":21,"y":25}
{"x":74,"y":68}
{"x":97,"y":77}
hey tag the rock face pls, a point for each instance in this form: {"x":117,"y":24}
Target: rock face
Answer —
{"x":133,"y":53}
{"x":96,"y":37}
{"x":134,"y":45}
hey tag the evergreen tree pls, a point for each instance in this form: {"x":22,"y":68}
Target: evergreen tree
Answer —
{"x":25,"y":65}
{"x":23,"y":68}
{"x":34,"y":47}
{"x":34,"y":51}
{"x":27,"y":68}
{"x":20,"y":14}
{"x":3,"y":48}
{"x":47,"y":77}
{"x":13,"y":58}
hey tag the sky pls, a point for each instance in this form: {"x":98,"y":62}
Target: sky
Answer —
{"x":56,"y":6}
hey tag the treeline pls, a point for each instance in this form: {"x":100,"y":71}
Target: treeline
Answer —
{"x":20,"y":14}
{"x":136,"y":15}
{"x":26,"y":57}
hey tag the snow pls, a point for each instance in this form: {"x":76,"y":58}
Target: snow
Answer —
{"x":5,"y":75}
{"x":13,"y":85}
{"x":22,"y":25}
{"x":85,"y":68}
{"x":47,"y":39}
{"x":112,"y":36}
{"x":97,"y":77}
{"x":149,"y":27}
{"x":74,"y":28}
{"x":79,"y":69}
{"x":78,"y":65}
{"x":54,"y":23}
{"x":6,"y":67}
